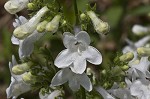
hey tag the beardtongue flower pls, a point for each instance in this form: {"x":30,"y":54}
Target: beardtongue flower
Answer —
{"x":29,"y":27}
{"x":75,"y":80}
{"x":26,"y":45}
{"x":77,"y":52}
{"x":17,"y":86}
{"x":14,"y":6}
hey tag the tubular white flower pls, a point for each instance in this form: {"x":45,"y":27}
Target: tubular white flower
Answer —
{"x":139,"y":30}
{"x":75,"y":80}
{"x":54,"y":24}
{"x":14,"y":6}
{"x":77,"y":52}
{"x":26,"y":45}
{"x":100,"y":26}
{"x":17,"y":86}
{"x":29,"y":27}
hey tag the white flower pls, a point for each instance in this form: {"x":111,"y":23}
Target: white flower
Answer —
{"x":139,"y":30}
{"x":133,"y":46}
{"x":17,"y":86}
{"x":52,"y":95}
{"x":75,"y":80}
{"x":14,"y":6}
{"x":104,"y":93}
{"x":138,"y":68}
{"x":77,"y":52}
{"x":141,"y":89}
{"x":141,"y":69}
{"x":29,"y":27}
{"x":26,"y":45}
{"x":121,"y":93}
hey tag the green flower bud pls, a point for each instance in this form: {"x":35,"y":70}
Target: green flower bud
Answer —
{"x":28,"y":28}
{"x":106,"y":85}
{"x":122,"y":85}
{"x":28,"y":78}
{"x":64,"y":23}
{"x":125,"y":67}
{"x":82,"y":16}
{"x":127,"y":57}
{"x":103,"y":72}
{"x":31,"y":6}
{"x":100,"y":26}
{"x":143,"y":51}
{"x":41,"y":26}
{"x":21,"y":68}
{"x":116,"y":71}
{"x":54,"y":24}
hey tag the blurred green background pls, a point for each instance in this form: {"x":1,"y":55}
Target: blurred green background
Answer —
{"x":120,"y":14}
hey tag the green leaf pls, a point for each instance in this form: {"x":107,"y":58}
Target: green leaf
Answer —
{"x":140,"y":10}
{"x":113,"y":15}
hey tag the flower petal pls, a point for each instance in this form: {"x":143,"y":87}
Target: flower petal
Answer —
{"x":142,"y":41}
{"x":68,"y":40}
{"x":79,"y":65}
{"x":93,"y":55}
{"x":83,"y":37}
{"x":14,"y":40}
{"x":64,"y":58}
{"x":73,"y":83}
{"x":104,"y":93}
{"x":25,"y":48}
{"x":61,"y":77}
{"x":84,"y":80}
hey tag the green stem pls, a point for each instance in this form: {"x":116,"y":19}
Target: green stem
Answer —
{"x":76,"y":12}
{"x":83,"y":94}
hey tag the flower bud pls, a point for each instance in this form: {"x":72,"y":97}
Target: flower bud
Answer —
{"x":116,"y":71}
{"x":31,"y":6}
{"x":100,"y":26}
{"x":143,"y":51}
{"x":28,"y":78}
{"x":104,"y":72}
{"x":41,"y":26}
{"x":14,"y":6}
{"x":21,"y":68}
{"x":28,"y":28}
{"x":83,"y":16}
{"x":139,"y":30}
{"x":122,"y":85}
{"x":54,"y":24}
{"x":127,"y":57}
{"x":64,"y":23}
{"x":125,"y":67}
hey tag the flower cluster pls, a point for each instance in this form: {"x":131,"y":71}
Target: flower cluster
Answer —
{"x":72,"y":61}
{"x":70,"y":73}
